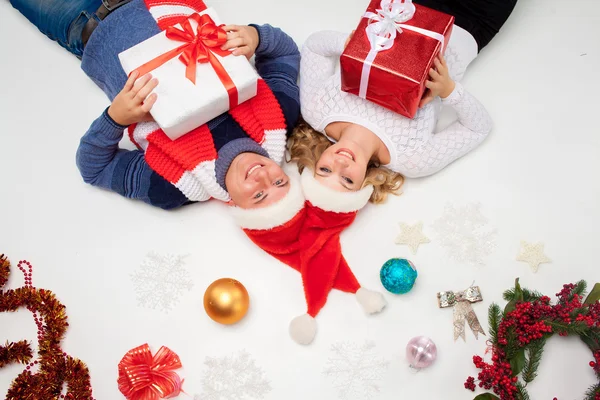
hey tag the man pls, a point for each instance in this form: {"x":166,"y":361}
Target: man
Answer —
{"x":240,"y":152}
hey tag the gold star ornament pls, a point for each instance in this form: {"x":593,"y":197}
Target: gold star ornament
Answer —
{"x":412,"y":236}
{"x":532,"y":254}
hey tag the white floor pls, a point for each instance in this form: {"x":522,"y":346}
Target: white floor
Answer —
{"x":535,"y":178}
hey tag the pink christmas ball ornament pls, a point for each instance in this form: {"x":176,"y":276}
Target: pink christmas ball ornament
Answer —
{"x":421,"y":352}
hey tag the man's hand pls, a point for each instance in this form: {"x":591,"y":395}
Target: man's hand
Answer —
{"x":132,"y":104}
{"x":242,"y":39}
{"x":440,"y":83}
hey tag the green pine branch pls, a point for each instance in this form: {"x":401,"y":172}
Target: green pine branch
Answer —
{"x":521,"y":392}
{"x":574,"y":328}
{"x":592,"y":339}
{"x":592,"y":391}
{"x":580,"y":289}
{"x":494,"y":317}
{"x":594,"y":334}
{"x":534,"y":355}
{"x":578,"y":311}
{"x":516,"y":297}
{"x":512,"y":346}
{"x":528,"y":295}
{"x":533,"y":295}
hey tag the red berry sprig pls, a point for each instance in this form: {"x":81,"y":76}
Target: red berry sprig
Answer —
{"x":496,"y":376}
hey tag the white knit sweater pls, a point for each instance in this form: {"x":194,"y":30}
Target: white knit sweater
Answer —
{"x":415,"y":148}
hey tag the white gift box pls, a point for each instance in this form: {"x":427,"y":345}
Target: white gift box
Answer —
{"x":181,"y":105}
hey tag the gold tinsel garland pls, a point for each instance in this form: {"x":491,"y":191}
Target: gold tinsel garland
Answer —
{"x":55,"y":368}
{"x":18,"y":352}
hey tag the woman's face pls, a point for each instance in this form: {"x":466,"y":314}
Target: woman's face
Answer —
{"x":254,"y":181}
{"x":341,"y":168}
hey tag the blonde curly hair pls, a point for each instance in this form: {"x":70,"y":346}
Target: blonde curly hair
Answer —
{"x":306,"y":146}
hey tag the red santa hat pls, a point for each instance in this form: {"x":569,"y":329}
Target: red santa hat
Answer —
{"x":306,"y":237}
{"x":277,"y":216}
{"x":322,"y":264}
{"x":276,"y":228}
{"x":331,"y":200}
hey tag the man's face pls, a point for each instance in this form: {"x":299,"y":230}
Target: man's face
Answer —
{"x":254,"y":181}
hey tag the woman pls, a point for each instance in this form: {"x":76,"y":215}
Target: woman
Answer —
{"x":366,"y":136}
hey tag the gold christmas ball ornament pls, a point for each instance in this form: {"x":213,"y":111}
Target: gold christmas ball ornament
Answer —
{"x":226,"y":301}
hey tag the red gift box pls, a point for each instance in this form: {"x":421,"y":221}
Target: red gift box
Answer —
{"x":392,"y":71}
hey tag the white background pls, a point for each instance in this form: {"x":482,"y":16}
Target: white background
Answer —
{"x":535,"y":176}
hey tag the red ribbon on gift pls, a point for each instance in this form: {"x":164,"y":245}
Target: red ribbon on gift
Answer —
{"x":199,"y":47}
{"x":144,"y":377}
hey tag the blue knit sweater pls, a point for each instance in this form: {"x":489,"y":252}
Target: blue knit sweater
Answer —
{"x":100,"y":160}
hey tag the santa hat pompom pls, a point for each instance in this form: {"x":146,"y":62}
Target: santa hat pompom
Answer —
{"x":303,"y":329}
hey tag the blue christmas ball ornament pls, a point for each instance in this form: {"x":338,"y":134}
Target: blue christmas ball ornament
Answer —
{"x":398,"y":275}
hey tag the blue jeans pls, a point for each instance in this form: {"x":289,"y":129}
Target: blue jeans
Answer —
{"x":60,"y":20}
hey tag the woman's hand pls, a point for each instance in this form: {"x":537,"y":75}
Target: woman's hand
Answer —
{"x":132,"y":104}
{"x":440,"y":83}
{"x":243,"y":39}
{"x":349,"y":38}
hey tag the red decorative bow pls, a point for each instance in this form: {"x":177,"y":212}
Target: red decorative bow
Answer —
{"x":143,"y":377}
{"x":199,"y":47}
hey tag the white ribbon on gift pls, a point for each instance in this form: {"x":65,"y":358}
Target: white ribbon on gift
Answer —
{"x":382,"y":29}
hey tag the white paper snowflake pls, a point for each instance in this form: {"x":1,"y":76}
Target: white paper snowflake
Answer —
{"x":356,"y":370}
{"x":160,"y":281}
{"x":234,"y":377}
{"x":464,"y":233}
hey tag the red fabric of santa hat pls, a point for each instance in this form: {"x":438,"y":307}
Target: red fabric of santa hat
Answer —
{"x":306,"y":238}
{"x":322,"y":264}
